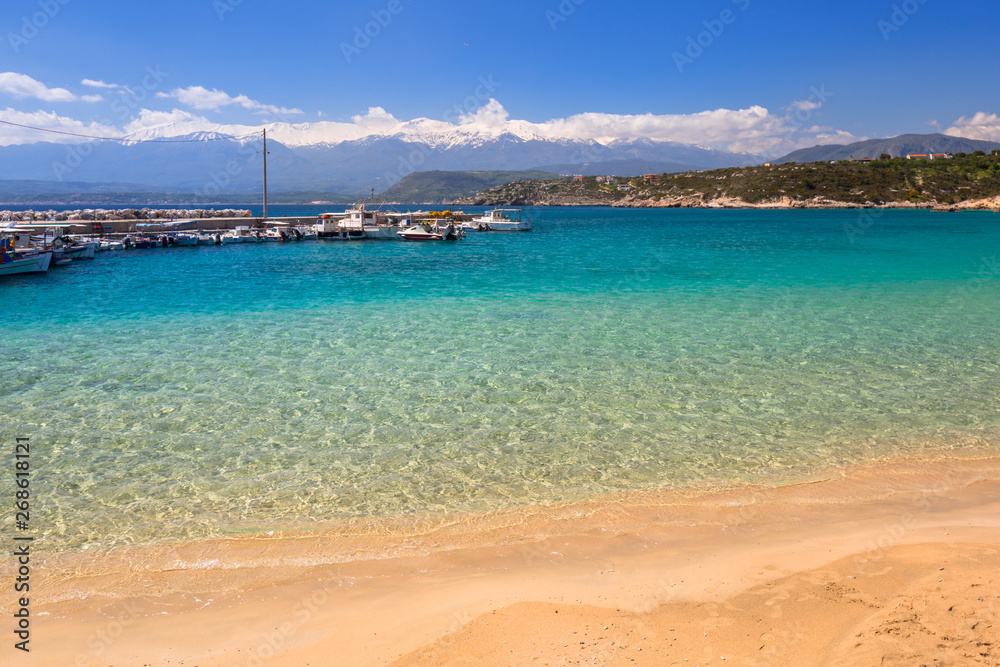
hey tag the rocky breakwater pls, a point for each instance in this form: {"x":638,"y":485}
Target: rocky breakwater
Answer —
{"x":126,"y":214}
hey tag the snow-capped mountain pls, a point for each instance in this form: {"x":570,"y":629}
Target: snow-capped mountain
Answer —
{"x":335,"y":157}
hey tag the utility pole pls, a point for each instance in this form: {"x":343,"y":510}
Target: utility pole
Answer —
{"x":265,"y":174}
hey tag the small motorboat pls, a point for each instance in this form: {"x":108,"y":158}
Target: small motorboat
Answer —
{"x":305,"y":233}
{"x":420,"y":233}
{"x":144,"y":242}
{"x":342,"y":235}
{"x":242,"y":234}
{"x":501,"y":220}
{"x":427,"y":232}
{"x":183,"y":239}
{"x":75,"y":249}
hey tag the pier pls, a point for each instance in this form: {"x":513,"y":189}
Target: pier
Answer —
{"x":210,"y":225}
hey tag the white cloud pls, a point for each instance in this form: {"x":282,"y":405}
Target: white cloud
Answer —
{"x":199,"y":97}
{"x":22,"y":85}
{"x":11,"y":135}
{"x":376,"y":118}
{"x":983,"y":126}
{"x":752,"y":130}
{"x":804,"y":105}
{"x":91,"y":98}
{"x":100,"y":84}
{"x":177,"y":122}
{"x":492,"y":114}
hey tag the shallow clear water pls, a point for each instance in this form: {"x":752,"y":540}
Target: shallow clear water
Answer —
{"x":181,"y":393}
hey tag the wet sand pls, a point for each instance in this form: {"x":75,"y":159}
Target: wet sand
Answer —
{"x":891,"y":562}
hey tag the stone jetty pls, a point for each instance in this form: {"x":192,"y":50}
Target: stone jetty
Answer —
{"x":138,"y":214}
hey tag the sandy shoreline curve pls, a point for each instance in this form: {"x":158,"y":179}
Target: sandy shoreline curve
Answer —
{"x":896,"y":559}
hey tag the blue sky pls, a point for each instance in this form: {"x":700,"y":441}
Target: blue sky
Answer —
{"x":822,"y":71}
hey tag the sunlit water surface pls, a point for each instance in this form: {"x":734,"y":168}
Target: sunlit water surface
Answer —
{"x":191,"y":392}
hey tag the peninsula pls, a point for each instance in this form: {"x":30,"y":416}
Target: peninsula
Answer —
{"x":961,"y":181}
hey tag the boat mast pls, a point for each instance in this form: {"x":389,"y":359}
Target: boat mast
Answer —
{"x":265,"y":174}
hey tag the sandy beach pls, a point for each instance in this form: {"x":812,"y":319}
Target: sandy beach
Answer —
{"x":893,"y":562}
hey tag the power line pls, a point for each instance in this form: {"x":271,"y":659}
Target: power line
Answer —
{"x":123,"y":139}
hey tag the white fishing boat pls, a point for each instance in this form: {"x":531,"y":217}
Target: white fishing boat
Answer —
{"x":31,"y":237}
{"x":15,"y":262}
{"x":328,"y":228}
{"x":370,"y":224}
{"x":365,"y":220}
{"x":206,"y":239}
{"x":432,"y":231}
{"x":500,"y":220}
{"x":12,"y":261}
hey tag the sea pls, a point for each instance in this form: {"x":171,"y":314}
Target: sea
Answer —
{"x":189,"y":393}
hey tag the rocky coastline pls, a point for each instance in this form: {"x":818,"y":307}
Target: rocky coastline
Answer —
{"x":699,"y":200}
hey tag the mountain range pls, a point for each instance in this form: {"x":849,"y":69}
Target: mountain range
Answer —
{"x":900,"y":146}
{"x":209,"y":163}
{"x":307,"y":157}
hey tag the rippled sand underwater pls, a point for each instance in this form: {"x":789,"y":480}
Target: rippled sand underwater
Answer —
{"x":192,"y":392}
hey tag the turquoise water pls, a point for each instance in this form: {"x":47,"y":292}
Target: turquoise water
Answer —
{"x":190,"y":392}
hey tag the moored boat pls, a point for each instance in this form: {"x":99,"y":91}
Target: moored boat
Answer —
{"x":428,"y":231}
{"x":328,"y":228}
{"x":243,"y":234}
{"x":371,"y":224}
{"x":305,"y":233}
{"x":142,"y":242}
{"x":74,"y":250}
{"x":182,"y":239}
{"x":276,"y":232}
{"x":29,"y":261}
{"x":12,"y":263}
{"x":500,"y":220}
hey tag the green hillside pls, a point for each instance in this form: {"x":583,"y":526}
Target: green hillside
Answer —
{"x":942,"y":182}
{"x":434,"y":187}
